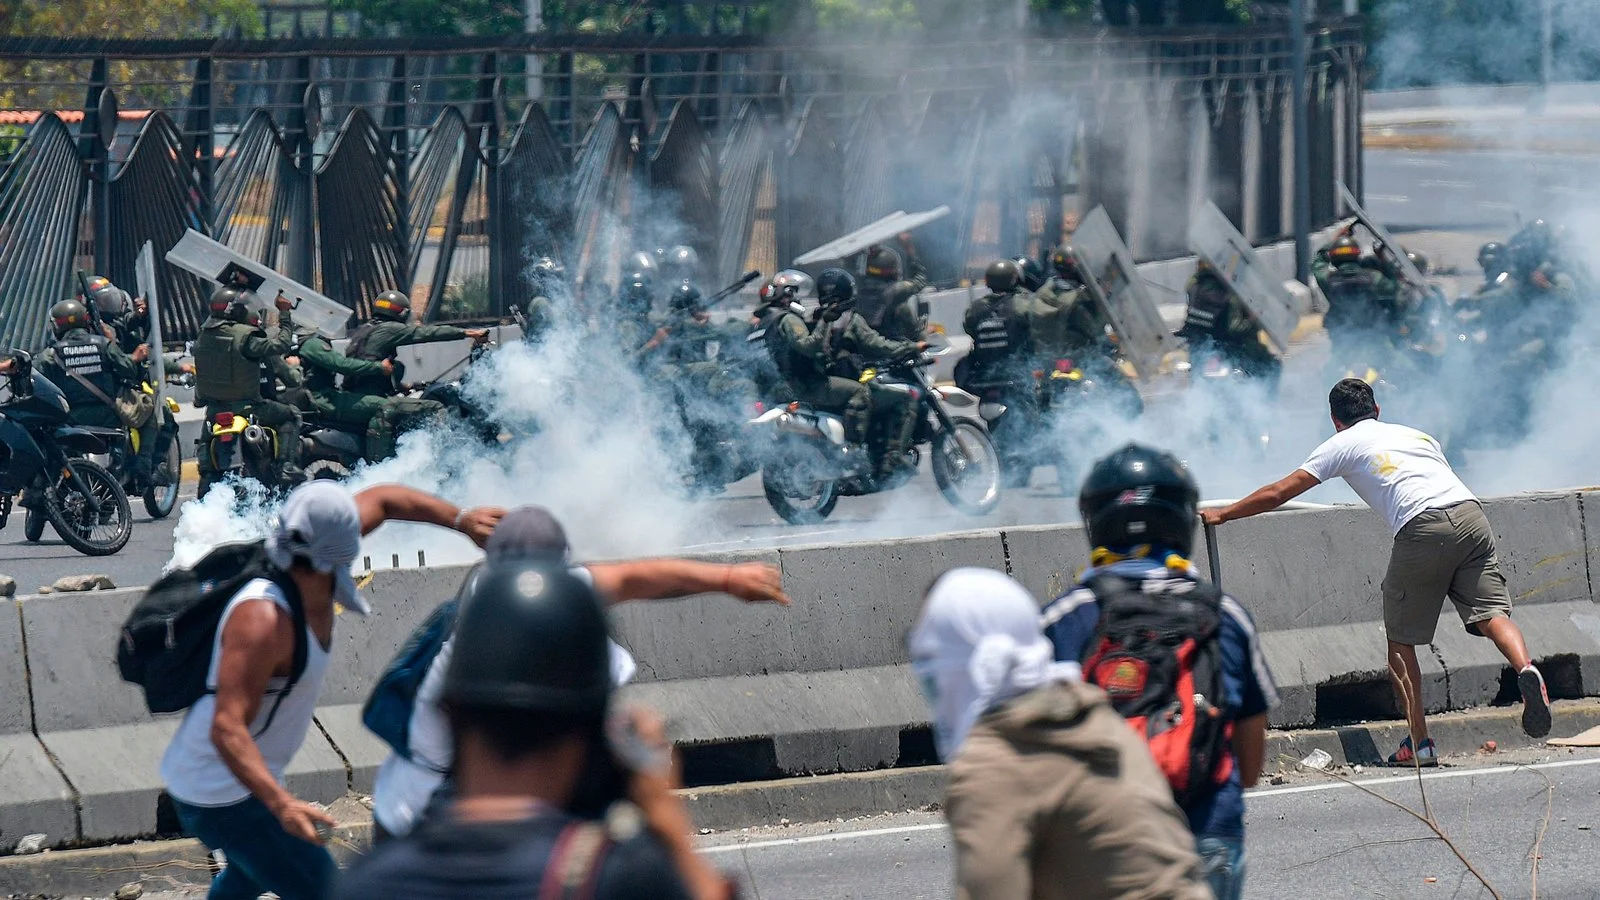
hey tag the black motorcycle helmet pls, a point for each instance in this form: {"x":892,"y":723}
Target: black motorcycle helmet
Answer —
{"x":681,"y":263}
{"x":1345,"y":249}
{"x":68,"y":315}
{"x":686,"y":300}
{"x":836,"y":289}
{"x":1032,"y":272}
{"x":1140,"y":495}
{"x":1065,"y":261}
{"x":1419,"y":260}
{"x":1494,"y":259}
{"x":392,"y":306}
{"x":530,"y":638}
{"x":232,"y":303}
{"x":883,"y":263}
{"x":1002,"y":276}
{"x":107,"y":297}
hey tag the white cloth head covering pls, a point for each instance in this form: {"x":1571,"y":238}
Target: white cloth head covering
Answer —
{"x":977,"y":644}
{"x":320,"y":522}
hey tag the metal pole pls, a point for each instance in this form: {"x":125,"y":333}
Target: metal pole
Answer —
{"x":1547,"y":37}
{"x":534,"y":19}
{"x":1302,"y":144}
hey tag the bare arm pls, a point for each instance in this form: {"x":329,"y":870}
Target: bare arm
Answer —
{"x":398,"y":503}
{"x":1250,"y":748}
{"x":257,"y":640}
{"x":665,"y":579}
{"x":1264,"y":499}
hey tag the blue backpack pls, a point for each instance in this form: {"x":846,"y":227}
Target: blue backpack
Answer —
{"x":387,"y":713}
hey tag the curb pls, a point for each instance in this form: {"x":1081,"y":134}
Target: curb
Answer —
{"x":160,"y":864}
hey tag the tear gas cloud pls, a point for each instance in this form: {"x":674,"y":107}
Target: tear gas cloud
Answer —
{"x":605,"y":450}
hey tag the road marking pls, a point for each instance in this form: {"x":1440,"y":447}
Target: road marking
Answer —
{"x":822,"y":838}
{"x":1387,"y":198}
{"x":1268,"y":792}
{"x":1427,"y":776}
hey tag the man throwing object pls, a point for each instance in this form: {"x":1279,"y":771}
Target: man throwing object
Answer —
{"x":1443,"y":546}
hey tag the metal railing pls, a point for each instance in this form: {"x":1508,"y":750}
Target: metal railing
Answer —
{"x":362,"y":165}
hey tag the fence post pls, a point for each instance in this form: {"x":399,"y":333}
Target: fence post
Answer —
{"x":204,"y":147}
{"x":98,"y":153}
{"x":487,"y":113}
{"x":302,"y":262}
{"x":394,"y":121}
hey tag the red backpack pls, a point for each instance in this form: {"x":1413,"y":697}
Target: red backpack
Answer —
{"x":1158,"y":656}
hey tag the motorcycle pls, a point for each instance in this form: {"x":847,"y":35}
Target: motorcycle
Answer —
{"x":1071,"y":396}
{"x":42,"y":456}
{"x":805,"y":471}
{"x":122,"y":445}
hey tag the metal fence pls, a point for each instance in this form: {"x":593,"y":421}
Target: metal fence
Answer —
{"x":446,"y":167}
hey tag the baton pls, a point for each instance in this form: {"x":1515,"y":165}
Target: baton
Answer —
{"x":94,"y":310}
{"x":732,"y":289}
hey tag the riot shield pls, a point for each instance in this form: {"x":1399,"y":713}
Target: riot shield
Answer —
{"x":1214,"y":239}
{"x":214,"y":262}
{"x":1408,"y":272}
{"x":1113,"y":280}
{"x":876,"y":233}
{"x":145,"y":276}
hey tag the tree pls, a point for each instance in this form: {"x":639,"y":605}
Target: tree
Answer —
{"x":423,"y":17}
{"x":128,"y":18}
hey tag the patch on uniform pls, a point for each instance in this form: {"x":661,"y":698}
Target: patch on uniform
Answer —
{"x":1122,"y":676}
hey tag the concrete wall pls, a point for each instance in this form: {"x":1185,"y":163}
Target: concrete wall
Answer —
{"x":821,"y":687}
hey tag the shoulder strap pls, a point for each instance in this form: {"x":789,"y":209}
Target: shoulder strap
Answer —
{"x":573,"y":870}
{"x":297,"y":618}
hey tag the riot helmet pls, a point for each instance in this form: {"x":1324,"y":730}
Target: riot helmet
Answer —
{"x":681,"y":263}
{"x":1140,"y":495}
{"x":836,"y":289}
{"x":1065,"y":261}
{"x":641,"y":261}
{"x":883,"y":263}
{"x":1002,"y":276}
{"x":1345,"y":249}
{"x":1529,"y":248}
{"x":392,"y":306}
{"x":68,"y":315}
{"x":1032,"y":272}
{"x":686,"y":300}
{"x":1492,"y":258}
{"x":531,"y":637}
{"x":1418,"y":260}
{"x":547,"y":272}
{"x":788,"y":286}
{"x":232,"y":303}
{"x":109,"y":299}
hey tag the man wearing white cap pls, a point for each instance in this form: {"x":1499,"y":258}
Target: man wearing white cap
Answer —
{"x":224,"y":767}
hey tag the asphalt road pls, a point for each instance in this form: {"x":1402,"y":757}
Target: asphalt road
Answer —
{"x":1476,"y":189}
{"x":1312,"y":837}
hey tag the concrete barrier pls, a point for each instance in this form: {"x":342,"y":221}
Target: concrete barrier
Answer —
{"x":762,"y":692}
{"x":34,"y":797}
{"x":95,"y":725}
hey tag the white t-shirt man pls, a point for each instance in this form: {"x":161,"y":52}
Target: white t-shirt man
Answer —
{"x":404,"y":787}
{"x":1398,"y":471}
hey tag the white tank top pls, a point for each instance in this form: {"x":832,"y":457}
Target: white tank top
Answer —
{"x":191,"y":768}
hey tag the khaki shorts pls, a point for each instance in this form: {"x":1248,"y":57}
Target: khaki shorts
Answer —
{"x":1446,"y":552}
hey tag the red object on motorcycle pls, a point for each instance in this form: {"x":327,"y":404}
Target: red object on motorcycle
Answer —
{"x":1064,"y":365}
{"x":760,"y":407}
{"x":225,"y":438}
{"x":225,"y":419}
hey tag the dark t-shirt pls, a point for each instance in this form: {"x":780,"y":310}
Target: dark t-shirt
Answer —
{"x":447,"y":860}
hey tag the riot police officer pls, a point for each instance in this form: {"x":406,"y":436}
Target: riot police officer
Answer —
{"x":1364,"y":305}
{"x":1002,"y":358}
{"x":680,"y":264}
{"x":549,"y":283}
{"x":390,"y":329}
{"x":91,"y":371}
{"x":635,"y":300}
{"x":849,"y":344}
{"x":1064,"y":321}
{"x":1495,"y":261}
{"x":382,"y":418}
{"x":127,"y":317}
{"x":229,"y":356}
{"x":887,"y":300}
{"x":1216,"y":321}
{"x":798,"y":355}
{"x":1033,"y":277}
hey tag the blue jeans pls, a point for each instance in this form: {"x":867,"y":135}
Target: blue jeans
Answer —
{"x":261,"y":856}
{"x":1224,"y":863}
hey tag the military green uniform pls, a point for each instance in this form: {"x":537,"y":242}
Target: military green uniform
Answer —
{"x":849,"y":343}
{"x":541,"y":315}
{"x":102,"y":363}
{"x":377,"y":341}
{"x":797,"y":352}
{"x":228,"y":360}
{"x":890,"y":306}
{"x":382,"y":417}
{"x":1365,"y":309}
{"x":1064,"y":320}
{"x":1215,"y":316}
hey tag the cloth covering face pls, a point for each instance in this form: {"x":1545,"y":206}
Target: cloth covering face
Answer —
{"x":320,"y":522}
{"x":977,"y":644}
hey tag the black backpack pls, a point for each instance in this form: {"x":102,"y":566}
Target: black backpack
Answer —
{"x":387,"y":713}
{"x":167,"y":641}
{"x":1159,"y":657}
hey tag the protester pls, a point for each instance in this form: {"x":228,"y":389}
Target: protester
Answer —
{"x":224,"y":767}
{"x":1051,"y":794}
{"x":407,"y":782}
{"x":1139,"y":507}
{"x":528,"y":692}
{"x":1443,"y":547}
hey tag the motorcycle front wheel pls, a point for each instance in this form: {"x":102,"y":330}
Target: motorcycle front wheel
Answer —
{"x":796,"y":488}
{"x":92,"y":532}
{"x":159,"y":501}
{"x":967,"y":468}
{"x":33,"y":525}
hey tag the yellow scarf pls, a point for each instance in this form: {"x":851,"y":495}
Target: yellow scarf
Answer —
{"x":1100,"y":557}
